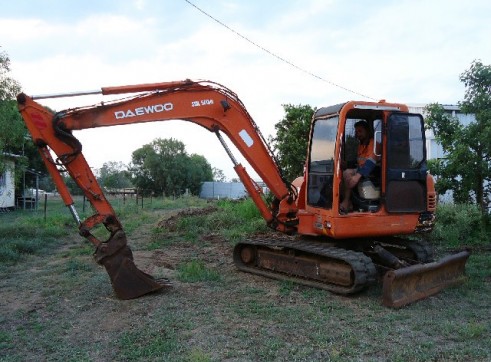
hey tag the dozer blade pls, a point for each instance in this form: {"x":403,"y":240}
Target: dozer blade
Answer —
{"x":127,"y":280}
{"x":407,"y":285}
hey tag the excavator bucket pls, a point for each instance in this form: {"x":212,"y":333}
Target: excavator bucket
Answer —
{"x":127,"y":280}
{"x":407,"y":285}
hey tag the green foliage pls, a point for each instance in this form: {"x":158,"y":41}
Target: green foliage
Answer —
{"x":466,"y":169}
{"x":477,"y":80}
{"x":53,"y":309}
{"x":11,"y":124}
{"x":151,"y":344}
{"x":244,"y":210}
{"x":13,"y":130}
{"x":8,"y":87}
{"x":218,"y":175}
{"x":198,"y":170}
{"x":292,"y":136}
{"x":164,"y":168}
{"x":199,"y":356}
{"x":114,"y":175}
{"x":25,"y":236}
{"x":167,"y":203}
{"x":73,"y":267}
{"x":234,"y":220}
{"x":72,"y":185}
{"x":196,"y":271}
{"x":460,"y":225}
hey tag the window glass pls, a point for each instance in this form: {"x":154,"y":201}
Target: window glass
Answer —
{"x":406,"y":141}
{"x":321,"y":164}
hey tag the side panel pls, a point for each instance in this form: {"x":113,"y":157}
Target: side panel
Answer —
{"x":365,"y":224}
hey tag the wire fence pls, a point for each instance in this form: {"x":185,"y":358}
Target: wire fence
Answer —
{"x":49,"y":203}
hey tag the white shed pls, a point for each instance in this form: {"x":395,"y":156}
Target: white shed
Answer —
{"x":7,"y":187}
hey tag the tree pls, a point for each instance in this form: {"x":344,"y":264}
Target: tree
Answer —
{"x":466,"y":169}
{"x":292,"y":136}
{"x":218,"y":175}
{"x":14,"y":135}
{"x":9,"y":87}
{"x":11,"y":124}
{"x":163,"y":167}
{"x":115,"y":175}
{"x":198,"y":171}
{"x":72,"y":185}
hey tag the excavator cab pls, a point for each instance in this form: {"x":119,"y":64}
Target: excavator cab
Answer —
{"x":397,"y":184}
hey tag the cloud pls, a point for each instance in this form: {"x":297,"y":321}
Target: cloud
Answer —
{"x":408,"y":51}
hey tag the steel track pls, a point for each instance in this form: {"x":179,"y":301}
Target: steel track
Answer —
{"x":362,"y":268}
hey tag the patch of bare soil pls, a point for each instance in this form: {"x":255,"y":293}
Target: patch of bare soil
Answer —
{"x":214,"y":251}
{"x":170,"y":221}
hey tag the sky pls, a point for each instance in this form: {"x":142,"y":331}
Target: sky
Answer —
{"x":270,"y":53}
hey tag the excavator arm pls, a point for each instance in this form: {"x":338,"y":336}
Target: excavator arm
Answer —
{"x":205,"y":103}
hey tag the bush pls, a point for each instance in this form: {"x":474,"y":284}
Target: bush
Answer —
{"x":460,"y":225}
{"x":244,"y":210}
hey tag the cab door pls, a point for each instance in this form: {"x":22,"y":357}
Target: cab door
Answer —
{"x":406,"y":164}
{"x":320,"y":168}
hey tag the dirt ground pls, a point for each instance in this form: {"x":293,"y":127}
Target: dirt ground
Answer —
{"x":61,"y":306}
{"x":68,"y":296}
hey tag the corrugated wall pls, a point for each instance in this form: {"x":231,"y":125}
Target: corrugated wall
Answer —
{"x":220,"y":190}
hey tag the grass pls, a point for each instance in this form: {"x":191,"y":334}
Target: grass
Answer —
{"x":27,"y":232}
{"x":57,"y":304}
{"x":24,"y":234}
{"x":196,"y":271}
{"x":153,"y":344}
{"x":233,"y":220}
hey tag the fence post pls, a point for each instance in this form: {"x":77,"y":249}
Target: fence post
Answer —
{"x":45,"y":206}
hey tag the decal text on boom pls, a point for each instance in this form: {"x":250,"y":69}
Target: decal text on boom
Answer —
{"x":141,"y":111}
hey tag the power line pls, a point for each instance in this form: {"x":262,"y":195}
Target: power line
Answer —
{"x":276,"y":55}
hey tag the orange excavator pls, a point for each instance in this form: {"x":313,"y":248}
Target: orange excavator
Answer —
{"x":319,"y":244}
